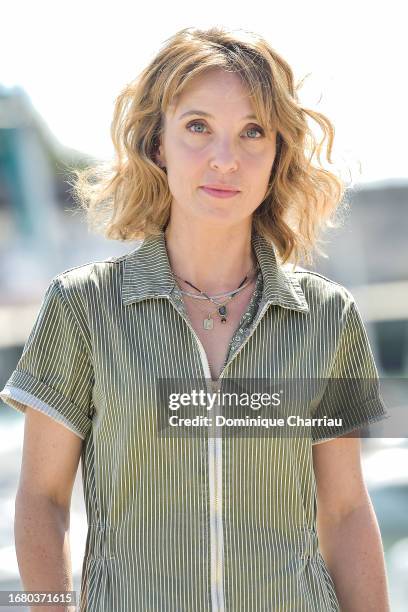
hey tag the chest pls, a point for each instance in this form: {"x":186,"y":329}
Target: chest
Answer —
{"x":149,"y":348}
{"x":133,"y":347}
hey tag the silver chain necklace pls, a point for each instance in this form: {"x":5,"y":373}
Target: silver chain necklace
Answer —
{"x":208,"y":323}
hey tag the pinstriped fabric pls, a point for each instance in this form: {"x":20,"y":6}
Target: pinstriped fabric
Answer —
{"x":196,"y":523}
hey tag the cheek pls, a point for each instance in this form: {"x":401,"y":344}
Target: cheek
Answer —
{"x":258,"y":166}
{"x":186,"y":155}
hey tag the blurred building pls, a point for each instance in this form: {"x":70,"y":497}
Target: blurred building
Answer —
{"x":369,"y":256}
{"x":39,"y":235}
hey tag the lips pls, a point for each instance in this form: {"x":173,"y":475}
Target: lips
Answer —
{"x":219,"y":193}
{"x":218,"y":187}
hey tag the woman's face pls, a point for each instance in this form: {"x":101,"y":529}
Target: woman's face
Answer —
{"x":209,"y":139}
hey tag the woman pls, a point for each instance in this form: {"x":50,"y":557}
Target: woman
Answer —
{"x":215,"y":172}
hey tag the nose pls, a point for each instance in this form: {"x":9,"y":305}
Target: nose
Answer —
{"x":223,"y":156}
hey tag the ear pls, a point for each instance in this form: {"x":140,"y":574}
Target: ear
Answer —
{"x":159,"y":156}
{"x":159,"y":159}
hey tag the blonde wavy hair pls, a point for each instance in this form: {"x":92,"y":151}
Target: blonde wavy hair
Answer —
{"x":128,"y":198}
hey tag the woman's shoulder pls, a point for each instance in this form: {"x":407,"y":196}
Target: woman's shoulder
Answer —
{"x":319,"y":290}
{"x":91,"y":273}
{"x":84,"y":271}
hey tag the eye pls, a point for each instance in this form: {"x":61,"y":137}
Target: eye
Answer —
{"x":194,"y":123}
{"x":258,"y":129}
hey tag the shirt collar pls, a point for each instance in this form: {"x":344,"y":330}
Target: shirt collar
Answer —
{"x":147,"y":273}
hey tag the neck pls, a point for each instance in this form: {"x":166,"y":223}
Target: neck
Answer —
{"x":215,"y":261}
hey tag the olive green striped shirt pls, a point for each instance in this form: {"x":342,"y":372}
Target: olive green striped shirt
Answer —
{"x":205,"y":522}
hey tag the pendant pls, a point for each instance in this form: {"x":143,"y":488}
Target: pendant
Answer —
{"x":208,"y":323}
{"x":223,"y":313}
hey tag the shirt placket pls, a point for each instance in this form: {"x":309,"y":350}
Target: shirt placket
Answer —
{"x":214,"y":479}
{"x":215,"y":458}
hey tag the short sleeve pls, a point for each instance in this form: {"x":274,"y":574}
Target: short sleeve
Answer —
{"x":54,"y":373}
{"x":352,"y":393}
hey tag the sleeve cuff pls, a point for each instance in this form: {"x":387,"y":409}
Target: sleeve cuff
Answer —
{"x":372,"y":411}
{"x":22,"y":389}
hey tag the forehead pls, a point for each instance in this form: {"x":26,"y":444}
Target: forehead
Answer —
{"x":213,"y":88}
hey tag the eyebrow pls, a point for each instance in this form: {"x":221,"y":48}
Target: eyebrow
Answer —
{"x":204,"y":114}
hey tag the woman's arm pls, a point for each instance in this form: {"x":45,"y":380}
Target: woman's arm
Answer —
{"x":348,"y":532}
{"x":51,"y":454}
